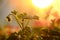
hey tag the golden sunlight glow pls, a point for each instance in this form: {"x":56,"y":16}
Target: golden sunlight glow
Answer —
{"x":42,"y":3}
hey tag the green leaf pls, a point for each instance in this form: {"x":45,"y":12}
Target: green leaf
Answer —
{"x":14,"y":12}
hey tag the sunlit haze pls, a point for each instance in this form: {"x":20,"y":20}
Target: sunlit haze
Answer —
{"x":31,"y":7}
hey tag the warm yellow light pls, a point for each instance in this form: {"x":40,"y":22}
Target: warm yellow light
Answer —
{"x":42,"y":3}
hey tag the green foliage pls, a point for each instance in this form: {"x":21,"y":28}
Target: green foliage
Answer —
{"x":25,"y":33}
{"x":25,"y":16}
{"x":2,"y":37}
{"x":13,"y":36}
{"x":28,"y":33}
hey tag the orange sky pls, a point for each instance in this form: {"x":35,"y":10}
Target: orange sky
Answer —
{"x":28,"y":7}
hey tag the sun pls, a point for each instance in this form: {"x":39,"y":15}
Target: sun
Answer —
{"x":42,"y":3}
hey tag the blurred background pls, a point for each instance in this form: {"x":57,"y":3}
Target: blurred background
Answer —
{"x":6,"y":6}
